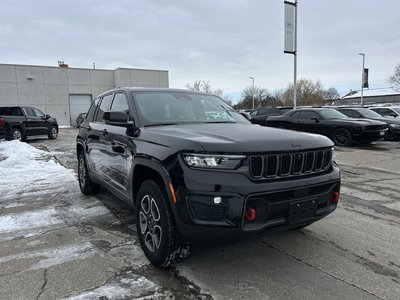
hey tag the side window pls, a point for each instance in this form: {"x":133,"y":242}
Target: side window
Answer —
{"x":388,"y":112}
{"x":348,"y":113}
{"x":308,"y":115}
{"x":38,"y":113}
{"x":92,"y":110}
{"x":104,"y":106}
{"x":296,"y":115}
{"x":120,"y":103}
{"x":16,"y":111}
{"x":262,"y":112}
{"x":29,"y":112}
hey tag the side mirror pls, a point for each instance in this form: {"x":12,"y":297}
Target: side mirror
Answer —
{"x":118,"y":118}
{"x":247,"y":116}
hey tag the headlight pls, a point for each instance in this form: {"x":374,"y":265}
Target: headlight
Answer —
{"x":397,"y":126}
{"x":213,"y":161}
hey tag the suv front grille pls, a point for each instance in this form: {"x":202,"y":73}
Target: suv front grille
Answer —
{"x":290,"y":164}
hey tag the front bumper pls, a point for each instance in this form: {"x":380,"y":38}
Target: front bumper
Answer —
{"x":278,"y":204}
{"x":370,"y":135}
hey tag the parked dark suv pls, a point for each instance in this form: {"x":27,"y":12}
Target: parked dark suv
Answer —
{"x":197,"y":171}
{"x":21,"y":122}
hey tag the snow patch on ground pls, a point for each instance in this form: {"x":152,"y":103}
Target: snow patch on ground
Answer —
{"x":29,"y":220}
{"x":55,"y":256}
{"x":24,"y":168}
{"x":136,"y":287}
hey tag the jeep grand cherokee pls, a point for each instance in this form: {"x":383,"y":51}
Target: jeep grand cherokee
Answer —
{"x":195,"y":170}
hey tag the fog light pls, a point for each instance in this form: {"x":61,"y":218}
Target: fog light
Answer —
{"x":217,"y":200}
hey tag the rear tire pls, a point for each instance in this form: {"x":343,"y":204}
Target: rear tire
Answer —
{"x":342,"y":137}
{"x":159,"y":238}
{"x":53,"y":132}
{"x":16,"y":134}
{"x":87,"y":186}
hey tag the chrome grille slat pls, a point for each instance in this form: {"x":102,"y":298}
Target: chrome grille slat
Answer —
{"x":290,"y":164}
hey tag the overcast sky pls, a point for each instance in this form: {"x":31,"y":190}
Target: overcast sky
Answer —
{"x":220,"y":41}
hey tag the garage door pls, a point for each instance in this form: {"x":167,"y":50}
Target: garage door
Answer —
{"x":78,"y":104}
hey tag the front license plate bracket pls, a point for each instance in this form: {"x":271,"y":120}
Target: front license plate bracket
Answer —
{"x":302,"y":210}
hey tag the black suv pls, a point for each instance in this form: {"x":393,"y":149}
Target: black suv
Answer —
{"x":197,"y":171}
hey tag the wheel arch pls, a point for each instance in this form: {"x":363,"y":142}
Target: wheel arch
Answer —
{"x":150,"y":169}
{"x":79,"y":149}
{"x":19,"y":126}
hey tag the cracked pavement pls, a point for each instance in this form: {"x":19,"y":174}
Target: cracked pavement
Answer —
{"x":87,"y":248}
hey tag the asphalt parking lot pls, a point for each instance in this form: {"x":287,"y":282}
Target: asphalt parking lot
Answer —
{"x":86,"y":247}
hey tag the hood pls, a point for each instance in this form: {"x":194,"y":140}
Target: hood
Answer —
{"x":389,"y":120}
{"x":233,"y":138}
{"x":360,"y":122}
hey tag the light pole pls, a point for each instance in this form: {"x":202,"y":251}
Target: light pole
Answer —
{"x":252,"y":89}
{"x":362,"y":78}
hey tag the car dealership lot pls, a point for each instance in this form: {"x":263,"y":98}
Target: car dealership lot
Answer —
{"x":57,"y":243}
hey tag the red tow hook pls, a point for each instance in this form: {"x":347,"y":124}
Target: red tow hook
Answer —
{"x":250,"y":214}
{"x":334,"y":197}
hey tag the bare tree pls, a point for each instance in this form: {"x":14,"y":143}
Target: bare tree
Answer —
{"x":258,"y":93}
{"x":395,"y":78}
{"x":308,"y":92}
{"x":331,"y":94}
{"x":205,"y":87}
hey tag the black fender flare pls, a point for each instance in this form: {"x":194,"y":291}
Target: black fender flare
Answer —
{"x":155,"y":165}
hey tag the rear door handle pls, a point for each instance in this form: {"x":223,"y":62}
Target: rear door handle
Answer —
{"x":104,"y":132}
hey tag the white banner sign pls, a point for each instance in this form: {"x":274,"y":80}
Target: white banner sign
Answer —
{"x":290,"y":45}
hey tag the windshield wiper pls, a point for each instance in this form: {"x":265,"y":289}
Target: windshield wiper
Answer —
{"x":209,"y":122}
{"x":160,"y":124}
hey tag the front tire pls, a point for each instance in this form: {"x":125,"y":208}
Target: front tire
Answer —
{"x":87,"y":186}
{"x":53,"y":132}
{"x":159,"y":238}
{"x":342,"y":137}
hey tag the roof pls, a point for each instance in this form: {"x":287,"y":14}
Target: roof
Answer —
{"x":153,"y":89}
{"x":374,"y":93}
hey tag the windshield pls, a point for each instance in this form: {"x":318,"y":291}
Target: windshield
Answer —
{"x":168,"y":108}
{"x":367,"y":113}
{"x":331,"y":114}
{"x":397,"y":109}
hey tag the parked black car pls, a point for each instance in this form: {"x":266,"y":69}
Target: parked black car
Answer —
{"x":260,"y":115}
{"x":80,"y":118}
{"x":195,"y":170}
{"x":20,"y":122}
{"x":363,"y":113}
{"x":343,"y":131}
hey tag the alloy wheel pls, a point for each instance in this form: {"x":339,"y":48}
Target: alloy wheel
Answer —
{"x":54,"y":132}
{"x":82,"y":172}
{"x":150,"y":221}
{"x":342,"y":137}
{"x":17,"y":135}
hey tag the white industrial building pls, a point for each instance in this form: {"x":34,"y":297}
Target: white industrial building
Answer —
{"x":371,"y":97}
{"x":64,"y":92}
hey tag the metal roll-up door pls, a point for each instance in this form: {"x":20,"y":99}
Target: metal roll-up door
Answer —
{"x":78,"y":104}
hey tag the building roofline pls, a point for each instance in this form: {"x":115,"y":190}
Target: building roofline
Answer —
{"x":73,"y":68}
